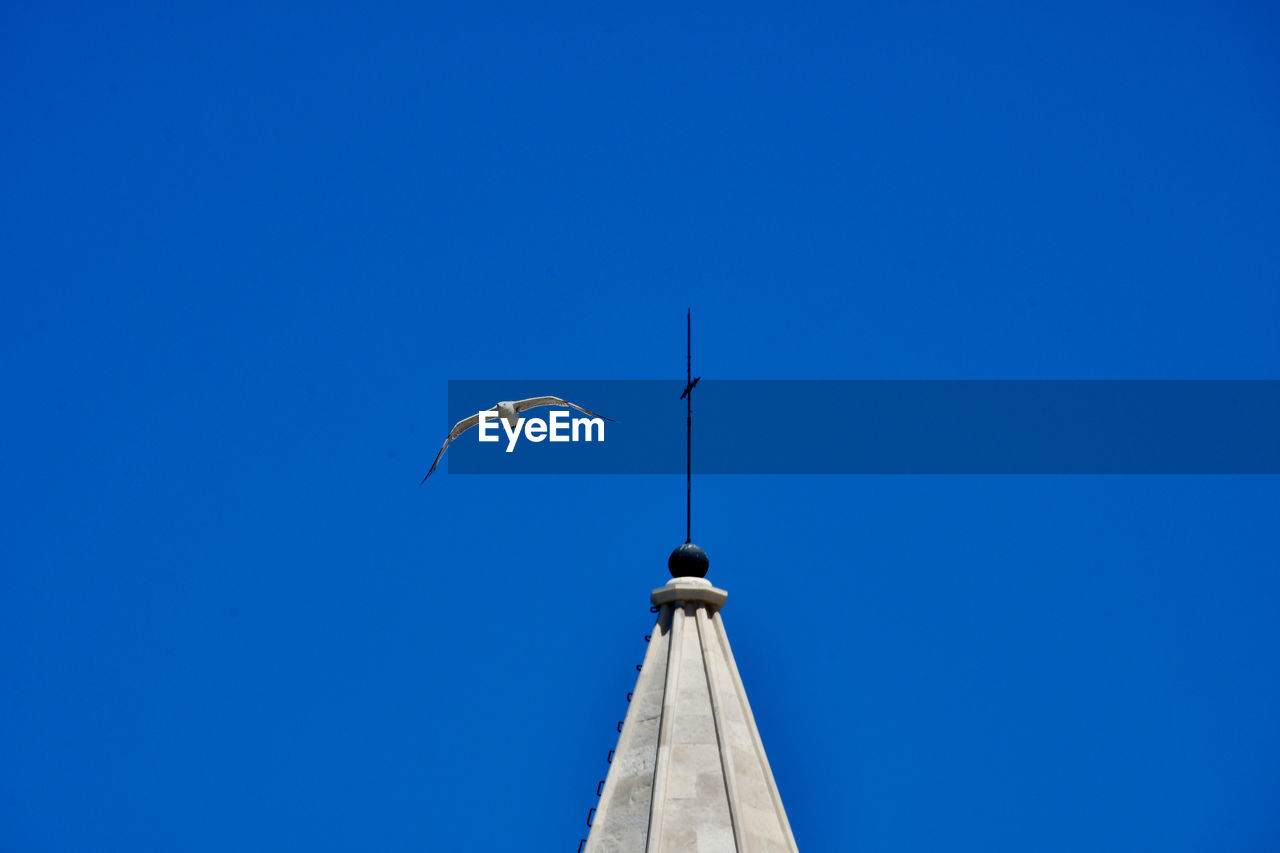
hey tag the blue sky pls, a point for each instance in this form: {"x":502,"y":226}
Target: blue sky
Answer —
{"x":245,"y":246}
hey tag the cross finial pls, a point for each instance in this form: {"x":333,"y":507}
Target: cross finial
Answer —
{"x":687,"y":396}
{"x":688,"y":560}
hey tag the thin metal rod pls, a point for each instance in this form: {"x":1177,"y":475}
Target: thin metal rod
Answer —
{"x":688,"y":423}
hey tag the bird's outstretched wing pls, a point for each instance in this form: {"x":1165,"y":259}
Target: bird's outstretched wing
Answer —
{"x":458,"y":429}
{"x":534,"y":402}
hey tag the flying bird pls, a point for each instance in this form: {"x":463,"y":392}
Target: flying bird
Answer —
{"x":508,"y":411}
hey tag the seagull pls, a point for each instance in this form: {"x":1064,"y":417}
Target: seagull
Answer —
{"x":508,"y":411}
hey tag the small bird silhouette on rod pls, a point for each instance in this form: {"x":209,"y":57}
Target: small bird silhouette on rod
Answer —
{"x":508,"y":411}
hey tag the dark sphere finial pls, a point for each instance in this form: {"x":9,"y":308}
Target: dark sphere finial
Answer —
{"x":688,"y":561}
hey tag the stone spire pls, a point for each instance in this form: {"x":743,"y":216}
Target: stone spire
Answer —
{"x":689,"y":773}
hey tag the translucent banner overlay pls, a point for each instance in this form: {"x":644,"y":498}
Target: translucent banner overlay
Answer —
{"x":886,"y":427}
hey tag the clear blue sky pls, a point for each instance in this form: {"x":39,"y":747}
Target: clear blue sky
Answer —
{"x":244,"y":246}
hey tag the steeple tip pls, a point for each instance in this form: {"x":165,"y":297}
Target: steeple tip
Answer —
{"x":688,"y":561}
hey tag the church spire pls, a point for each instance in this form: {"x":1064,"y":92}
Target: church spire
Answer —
{"x":689,"y":772}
